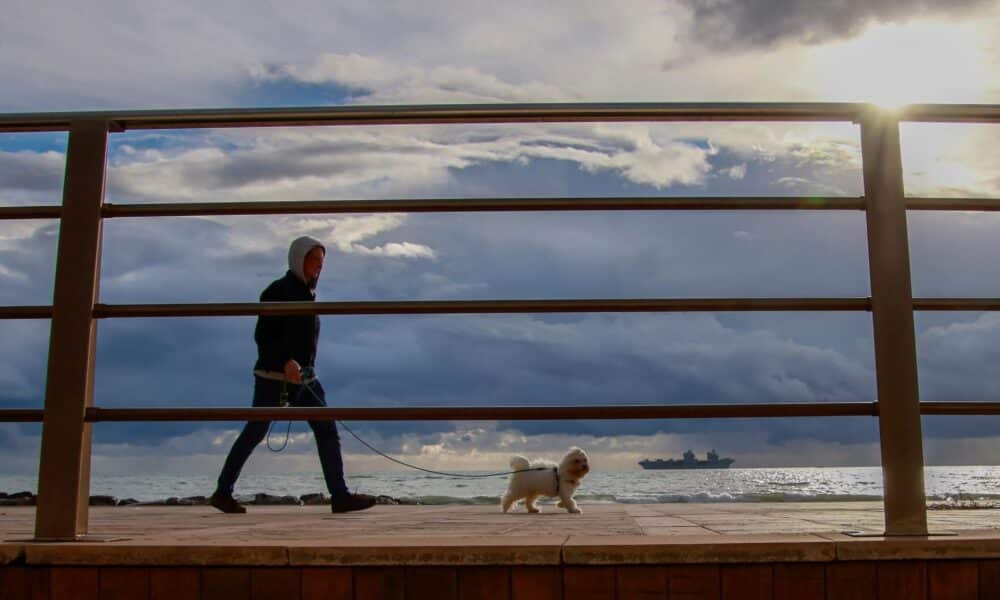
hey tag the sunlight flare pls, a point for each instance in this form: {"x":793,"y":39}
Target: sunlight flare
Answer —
{"x":923,"y":61}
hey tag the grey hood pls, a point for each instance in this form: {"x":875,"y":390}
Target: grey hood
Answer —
{"x":297,"y":256}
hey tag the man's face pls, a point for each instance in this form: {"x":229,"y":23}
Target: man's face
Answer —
{"x":313,"y":264}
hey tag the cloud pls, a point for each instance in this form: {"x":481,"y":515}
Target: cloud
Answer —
{"x":346,"y":53}
{"x":947,"y":253}
{"x":737,"y":24}
{"x":379,"y":81}
{"x":348,"y":232}
{"x":392,"y":53}
{"x":950,"y":160}
{"x":804,"y":186}
{"x":400,"y":161}
{"x":736,"y":172}
{"x":29,"y":177}
{"x":27,"y":261}
{"x":953,"y":357}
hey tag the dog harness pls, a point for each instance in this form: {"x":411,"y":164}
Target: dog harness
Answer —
{"x":555,"y":473}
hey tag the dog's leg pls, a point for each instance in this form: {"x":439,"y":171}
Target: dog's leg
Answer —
{"x":530,"y":504}
{"x":507,"y":501}
{"x":570,"y":505}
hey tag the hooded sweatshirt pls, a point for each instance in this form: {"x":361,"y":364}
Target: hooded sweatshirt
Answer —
{"x":283,"y":338}
{"x":297,"y":252}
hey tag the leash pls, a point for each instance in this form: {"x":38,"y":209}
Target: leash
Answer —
{"x":283,"y":402}
{"x":307,"y":385}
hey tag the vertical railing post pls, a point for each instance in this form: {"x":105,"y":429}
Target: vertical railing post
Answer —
{"x":64,"y":471}
{"x":892,"y":317}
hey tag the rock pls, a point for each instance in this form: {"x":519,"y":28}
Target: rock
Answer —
{"x":128,"y":502}
{"x":18,"y":499}
{"x":103,"y":501}
{"x":382,"y":499}
{"x":271,"y":500}
{"x":172,"y":501}
{"x":193,"y":501}
{"x":314,"y":499}
{"x":22,"y":499}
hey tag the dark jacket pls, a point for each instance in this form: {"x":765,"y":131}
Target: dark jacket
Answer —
{"x":280,"y":338}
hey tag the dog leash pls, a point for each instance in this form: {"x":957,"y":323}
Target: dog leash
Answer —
{"x":307,"y":386}
{"x":308,"y":376}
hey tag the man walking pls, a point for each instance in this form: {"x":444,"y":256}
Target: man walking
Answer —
{"x":286,"y":355}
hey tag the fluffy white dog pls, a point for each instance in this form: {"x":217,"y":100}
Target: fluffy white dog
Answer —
{"x":549,"y":479}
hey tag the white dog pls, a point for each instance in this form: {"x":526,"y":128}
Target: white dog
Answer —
{"x":549,"y":479}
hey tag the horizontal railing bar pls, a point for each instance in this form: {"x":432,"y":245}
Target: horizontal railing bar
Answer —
{"x":30,"y":212}
{"x":960,"y":408}
{"x":953,"y":203}
{"x":25,"y":312}
{"x":511,"y":413}
{"x":480,"y":205}
{"x":102,"y":311}
{"x":493,"y":113}
{"x":482,"y":413}
{"x":21,"y":415}
{"x":425,"y":307}
{"x":498,"y":204}
{"x":956,"y":304}
{"x":950,"y":113}
{"x":499,"y":306}
{"x":441,"y":113}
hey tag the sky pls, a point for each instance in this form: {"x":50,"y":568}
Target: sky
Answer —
{"x":185,"y":54}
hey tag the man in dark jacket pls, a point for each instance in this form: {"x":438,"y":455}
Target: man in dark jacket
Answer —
{"x":286,"y":355}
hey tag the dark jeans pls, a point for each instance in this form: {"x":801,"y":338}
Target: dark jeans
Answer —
{"x":266,"y":393}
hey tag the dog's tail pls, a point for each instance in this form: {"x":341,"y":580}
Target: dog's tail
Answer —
{"x":519,"y":463}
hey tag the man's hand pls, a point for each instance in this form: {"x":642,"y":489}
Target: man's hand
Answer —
{"x":293,"y":372}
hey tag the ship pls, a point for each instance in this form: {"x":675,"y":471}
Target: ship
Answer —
{"x":688,"y":462}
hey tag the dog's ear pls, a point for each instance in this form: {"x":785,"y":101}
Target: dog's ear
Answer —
{"x":576,"y":449}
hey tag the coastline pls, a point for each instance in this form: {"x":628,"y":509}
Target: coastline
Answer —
{"x":26,"y":498}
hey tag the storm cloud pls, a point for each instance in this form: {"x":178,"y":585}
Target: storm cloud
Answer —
{"x":739,"y":24}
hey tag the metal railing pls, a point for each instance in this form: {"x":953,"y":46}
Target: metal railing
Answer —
{"x":64,"y":471}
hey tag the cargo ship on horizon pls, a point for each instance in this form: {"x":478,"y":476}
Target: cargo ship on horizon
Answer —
{"x":688,"y":462}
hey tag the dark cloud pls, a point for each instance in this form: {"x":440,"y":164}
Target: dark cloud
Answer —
{"x":28,"y":261}
{"x":950,"y":265}
{"x":514,"y":360}
{"x":32,"y":171}
{"x":953,"y":427}
{"x":741,"y":24}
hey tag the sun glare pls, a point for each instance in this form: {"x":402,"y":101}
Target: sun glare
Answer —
{"x":892,"y":65}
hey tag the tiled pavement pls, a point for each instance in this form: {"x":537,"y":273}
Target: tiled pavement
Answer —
{"x":312,"y":524}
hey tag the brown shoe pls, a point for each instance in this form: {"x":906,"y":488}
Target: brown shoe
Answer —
{"x":352,"y":502}
{"x":226,"y":504}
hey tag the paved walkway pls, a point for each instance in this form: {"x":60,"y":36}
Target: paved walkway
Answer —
{"x":203,"y":524}
{"x":604,"y":534}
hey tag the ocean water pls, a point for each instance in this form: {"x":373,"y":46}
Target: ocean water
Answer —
{"x":980,"y":483}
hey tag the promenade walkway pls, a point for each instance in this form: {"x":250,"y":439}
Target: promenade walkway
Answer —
{"x":416,"y":526}
{"x":693,"y":551}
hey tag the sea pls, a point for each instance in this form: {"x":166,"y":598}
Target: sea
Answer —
{"x":965,"y":484}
